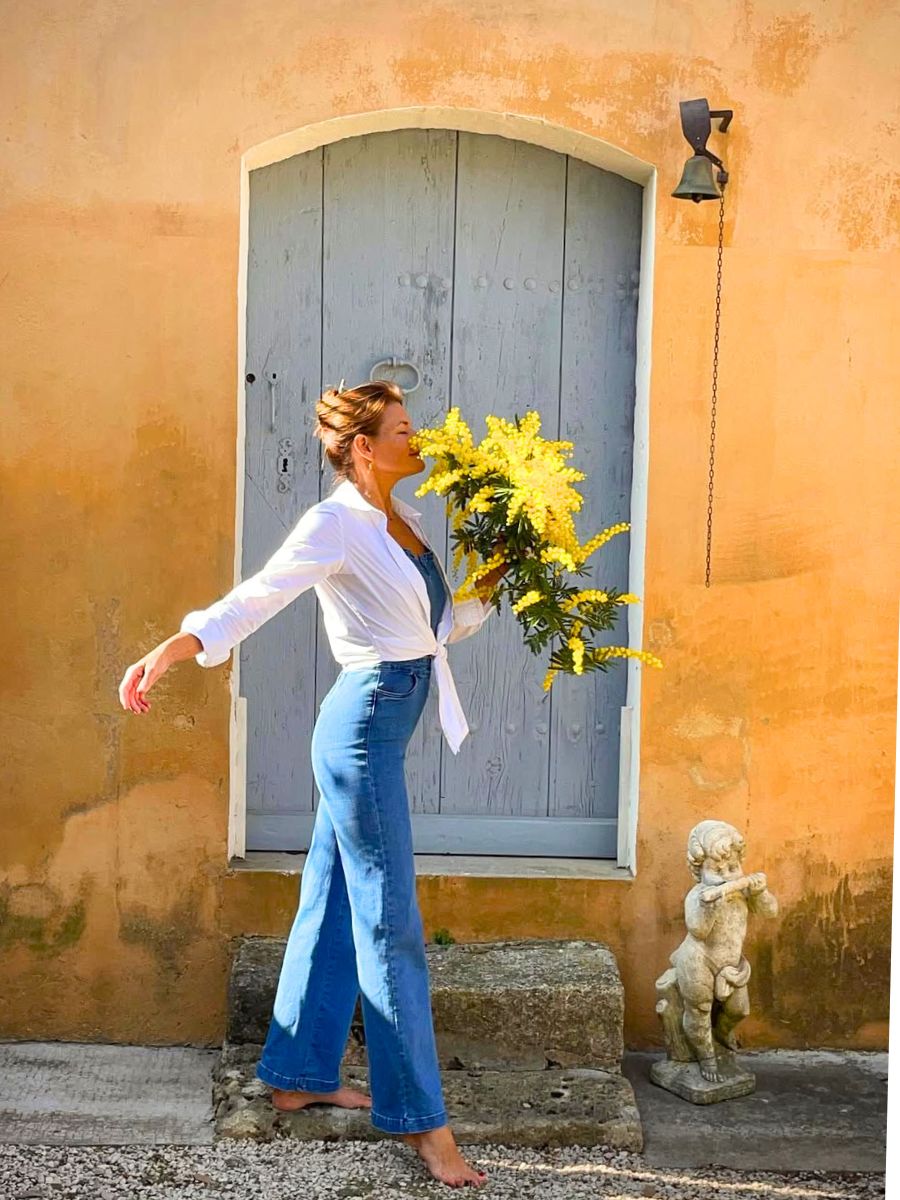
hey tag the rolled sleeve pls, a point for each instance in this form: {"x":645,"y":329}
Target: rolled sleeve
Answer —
{"x":468,"y":617}
{"x":201,"y":625}
{"x":312,"y":551}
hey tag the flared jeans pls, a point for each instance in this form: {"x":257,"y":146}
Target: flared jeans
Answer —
{"x":358,"y":929}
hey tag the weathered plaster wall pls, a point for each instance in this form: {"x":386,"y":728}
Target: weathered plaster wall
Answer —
{"x":124,"y":127}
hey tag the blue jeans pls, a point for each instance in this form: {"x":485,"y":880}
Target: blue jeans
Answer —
{"x":358,"y":928}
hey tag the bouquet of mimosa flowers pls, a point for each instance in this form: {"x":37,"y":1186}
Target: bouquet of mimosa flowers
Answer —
{"x":510,"y":501}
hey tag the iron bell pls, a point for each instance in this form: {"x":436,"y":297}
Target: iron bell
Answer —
{"x":697,"y":178}
{"x":697,"y":181}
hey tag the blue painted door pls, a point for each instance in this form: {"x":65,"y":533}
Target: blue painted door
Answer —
{"x":507,"y":273}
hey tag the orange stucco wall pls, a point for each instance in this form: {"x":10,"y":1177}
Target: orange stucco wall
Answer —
{"x":124,"y":130}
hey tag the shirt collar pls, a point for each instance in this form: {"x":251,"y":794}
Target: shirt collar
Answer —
{"x":348,"y":494}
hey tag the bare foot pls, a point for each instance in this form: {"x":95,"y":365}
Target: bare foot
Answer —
{"x":438,"y":1150}
{"x":709,"y":1069}
{"x":344,"y":1097}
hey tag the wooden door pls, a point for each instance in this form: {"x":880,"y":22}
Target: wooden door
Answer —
{"x":507,"y":273}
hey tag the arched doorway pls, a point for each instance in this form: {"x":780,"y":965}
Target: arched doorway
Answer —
{"x":507,"y":273}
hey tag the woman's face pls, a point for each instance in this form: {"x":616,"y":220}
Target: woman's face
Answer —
{"x":391,"y":452}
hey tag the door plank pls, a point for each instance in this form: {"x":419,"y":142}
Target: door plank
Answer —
{"x":506,"y":359}
{"x":283,"y":335}
{"x":603,"y":231}
{"x":387,"y":290}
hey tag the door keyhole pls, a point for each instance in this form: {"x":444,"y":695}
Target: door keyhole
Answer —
{"x":284,"y":465}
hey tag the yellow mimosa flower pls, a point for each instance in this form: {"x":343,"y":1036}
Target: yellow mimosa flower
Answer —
{"x":516,"y":485}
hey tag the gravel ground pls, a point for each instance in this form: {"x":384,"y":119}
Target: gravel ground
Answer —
{"x":387,"y":1170}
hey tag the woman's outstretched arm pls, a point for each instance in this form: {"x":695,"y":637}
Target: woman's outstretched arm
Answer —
{"x":312,"y":551}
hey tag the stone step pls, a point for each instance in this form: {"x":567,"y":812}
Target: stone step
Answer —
{"x":552,"y":1107}
{"x":523,"y":1004}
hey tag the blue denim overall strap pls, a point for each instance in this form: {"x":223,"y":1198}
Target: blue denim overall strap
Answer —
{"x":437,"y":590}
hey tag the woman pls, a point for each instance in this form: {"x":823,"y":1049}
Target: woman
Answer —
{"x":388,"y":611}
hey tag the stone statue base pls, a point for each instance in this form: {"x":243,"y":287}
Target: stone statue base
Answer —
{"x":685,"y":1080}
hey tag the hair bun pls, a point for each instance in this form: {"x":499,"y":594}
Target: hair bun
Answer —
{"x":342,"y":413}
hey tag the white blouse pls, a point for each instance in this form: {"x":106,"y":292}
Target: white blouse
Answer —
{"x":374,"y":601}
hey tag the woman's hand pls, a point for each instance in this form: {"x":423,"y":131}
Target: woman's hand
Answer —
{"x":141,"y":676}
{"x":499,"y":548}
{"x":488,"y":582}
{"x":493,"y":577}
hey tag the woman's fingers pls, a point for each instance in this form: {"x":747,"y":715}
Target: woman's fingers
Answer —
{"x":127,"y":685}
{"x":133,"y":702}
{"x":128,"y":694}
{"x":143,"y":685}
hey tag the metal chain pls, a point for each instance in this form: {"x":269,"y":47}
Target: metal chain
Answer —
{"x":715,"y":382}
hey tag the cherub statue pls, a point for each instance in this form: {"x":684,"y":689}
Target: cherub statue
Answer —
{"x":703,"y":995}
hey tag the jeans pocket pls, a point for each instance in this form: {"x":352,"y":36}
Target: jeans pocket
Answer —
{"x":396,"y":683}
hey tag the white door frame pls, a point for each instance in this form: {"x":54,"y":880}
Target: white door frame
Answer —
{"x":564,"y":141}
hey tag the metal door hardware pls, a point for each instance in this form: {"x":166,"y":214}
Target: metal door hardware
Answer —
{"x":285,"y":468}
{"x":393,"y":361}
{"x":272,"y":377}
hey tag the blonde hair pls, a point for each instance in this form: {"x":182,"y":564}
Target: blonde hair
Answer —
{"x":341,"y":415}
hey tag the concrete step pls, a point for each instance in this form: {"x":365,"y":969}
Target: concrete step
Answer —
{"x":551,"y":1107}
{"x":510,"y":1005}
